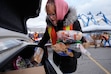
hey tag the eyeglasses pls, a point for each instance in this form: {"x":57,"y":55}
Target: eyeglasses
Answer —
{"x":51,"y":15}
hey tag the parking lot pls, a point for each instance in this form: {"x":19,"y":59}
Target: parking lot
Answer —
{"x":98,"y":63}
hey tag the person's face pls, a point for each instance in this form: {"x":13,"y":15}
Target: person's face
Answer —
{"x":51,"y":12}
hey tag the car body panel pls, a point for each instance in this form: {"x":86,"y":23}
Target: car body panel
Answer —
{"x":14,"y":13}
{"x":13,"y":30}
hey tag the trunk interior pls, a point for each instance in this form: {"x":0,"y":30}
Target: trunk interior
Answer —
{"x":26,"y":53}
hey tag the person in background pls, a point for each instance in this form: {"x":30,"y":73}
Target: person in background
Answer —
{"x":61,"y":17}
{"x":35,"y":37}
{"x":106,"y":38}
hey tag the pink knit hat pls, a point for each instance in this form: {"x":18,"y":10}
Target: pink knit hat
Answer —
{"x":61,"y":9}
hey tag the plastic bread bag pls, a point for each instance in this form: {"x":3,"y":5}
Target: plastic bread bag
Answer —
{"x":78,"y":47}
{"x":84,"y":51}
{"x":69,"y":34}
{"x":38,"y":54}
{"x":61,"y":48}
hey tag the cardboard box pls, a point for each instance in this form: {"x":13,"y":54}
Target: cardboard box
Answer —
{"x":33,"y":70}
{"x":86,"y":45}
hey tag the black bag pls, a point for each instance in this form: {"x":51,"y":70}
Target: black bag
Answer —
{"x":48,"y":67}
{"x":66,"y":64}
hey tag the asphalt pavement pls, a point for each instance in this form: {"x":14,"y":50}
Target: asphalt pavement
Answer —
{"x":98,"y":63}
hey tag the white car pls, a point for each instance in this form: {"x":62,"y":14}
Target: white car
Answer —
{"x":14,"y":40}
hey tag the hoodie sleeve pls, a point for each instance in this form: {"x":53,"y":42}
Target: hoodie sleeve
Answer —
{"x":44,"y":39}
{"x":77,"y":26}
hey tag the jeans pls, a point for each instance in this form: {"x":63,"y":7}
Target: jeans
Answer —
{"x":108,"y":41}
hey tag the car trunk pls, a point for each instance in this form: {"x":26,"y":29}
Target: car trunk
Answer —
{"x":26,"y":52}
{"x":14,"y":13}
{"x":14,"y":41}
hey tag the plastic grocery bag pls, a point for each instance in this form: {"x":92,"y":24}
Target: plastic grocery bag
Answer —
{"x":69,"y":34}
